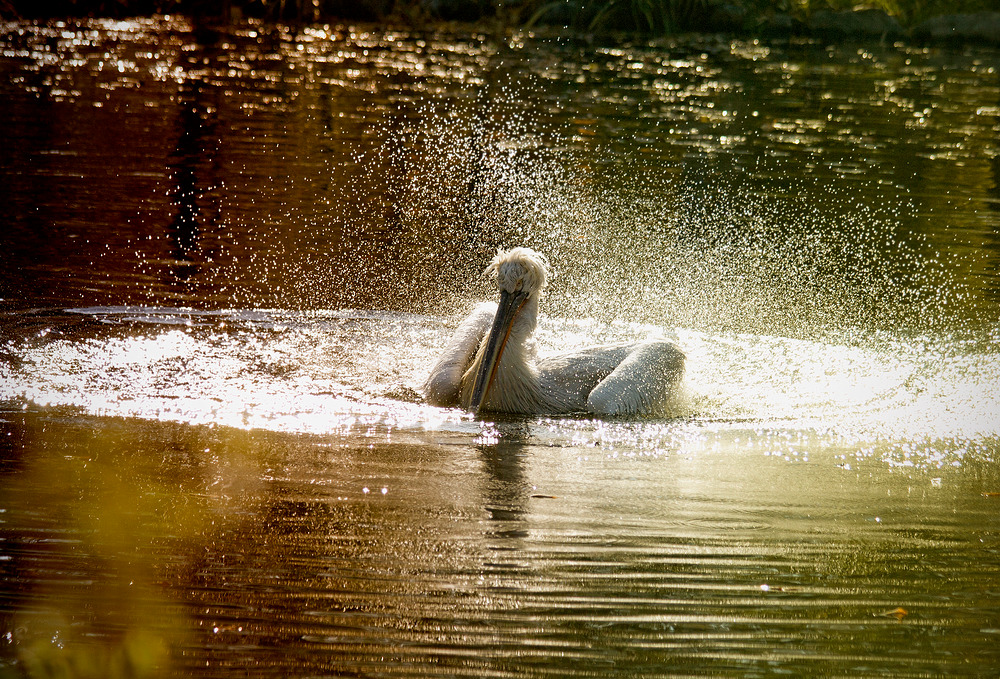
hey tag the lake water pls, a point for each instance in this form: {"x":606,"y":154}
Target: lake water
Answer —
{"x":229,"y":260}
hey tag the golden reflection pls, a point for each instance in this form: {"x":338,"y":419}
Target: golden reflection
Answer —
{"x":113,"y":510}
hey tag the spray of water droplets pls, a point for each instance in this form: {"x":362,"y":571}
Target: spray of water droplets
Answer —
{"x":675,"y":245}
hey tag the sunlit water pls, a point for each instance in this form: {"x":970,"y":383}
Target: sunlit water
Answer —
{"x":232,"y":258}
{"x":326,"y":372}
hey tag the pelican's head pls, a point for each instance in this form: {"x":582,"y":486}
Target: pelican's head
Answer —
{"x":520,"y":270}
{"x":520,"y":274}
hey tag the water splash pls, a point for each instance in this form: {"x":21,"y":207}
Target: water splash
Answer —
{"x":683,"y":244}
{"x":321,"y":373}
{"x":359,"y":373}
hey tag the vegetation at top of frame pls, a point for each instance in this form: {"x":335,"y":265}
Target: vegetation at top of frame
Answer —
{"x":655,"y":17}
{"x":671,"y":16}
{"x":908,"y":12}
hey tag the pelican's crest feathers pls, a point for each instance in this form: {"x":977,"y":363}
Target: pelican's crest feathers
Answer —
{"x":520,"y":269}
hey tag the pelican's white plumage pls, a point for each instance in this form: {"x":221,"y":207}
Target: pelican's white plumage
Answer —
{"x":490,"y":363}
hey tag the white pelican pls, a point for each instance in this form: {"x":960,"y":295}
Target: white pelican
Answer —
{"x":490,"y":363}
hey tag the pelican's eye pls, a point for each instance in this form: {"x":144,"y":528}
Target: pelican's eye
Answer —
{"x":519,"y":284}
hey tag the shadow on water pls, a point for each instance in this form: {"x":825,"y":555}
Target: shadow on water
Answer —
{"x":230,"y":262}
{"x":194,"y":138}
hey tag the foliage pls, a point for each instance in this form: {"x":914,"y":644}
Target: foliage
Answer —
{"x":660,"y":17}
{"x":656,"y":17}
{"x":908,"y":12}
{"x":651,"y":16}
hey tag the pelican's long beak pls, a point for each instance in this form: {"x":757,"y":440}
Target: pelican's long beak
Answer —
{"x":507,"y":310}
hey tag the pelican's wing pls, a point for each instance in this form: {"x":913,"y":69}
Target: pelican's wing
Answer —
{"x":566,"y":378}
{"x":444,"y":384}
{"x":642,"y":383}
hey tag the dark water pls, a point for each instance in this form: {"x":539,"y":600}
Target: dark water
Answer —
{"x":229,"y":259}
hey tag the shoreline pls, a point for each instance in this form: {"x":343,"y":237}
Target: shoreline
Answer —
{"x":973,"y":29}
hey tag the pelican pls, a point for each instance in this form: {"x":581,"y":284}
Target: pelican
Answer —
{"x":490,"y":364}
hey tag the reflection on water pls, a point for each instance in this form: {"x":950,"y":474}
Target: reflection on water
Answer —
{"x":231,"y":258}
{"x":294,"y":166}
{"x":227,"y":550}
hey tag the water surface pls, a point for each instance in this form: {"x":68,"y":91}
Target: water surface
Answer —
{"x":230,"y":259}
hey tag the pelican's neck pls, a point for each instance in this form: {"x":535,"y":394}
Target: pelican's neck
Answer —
{"x":525,"y":322}
{"x":519,"y":354}
{"x":515,"y":388}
